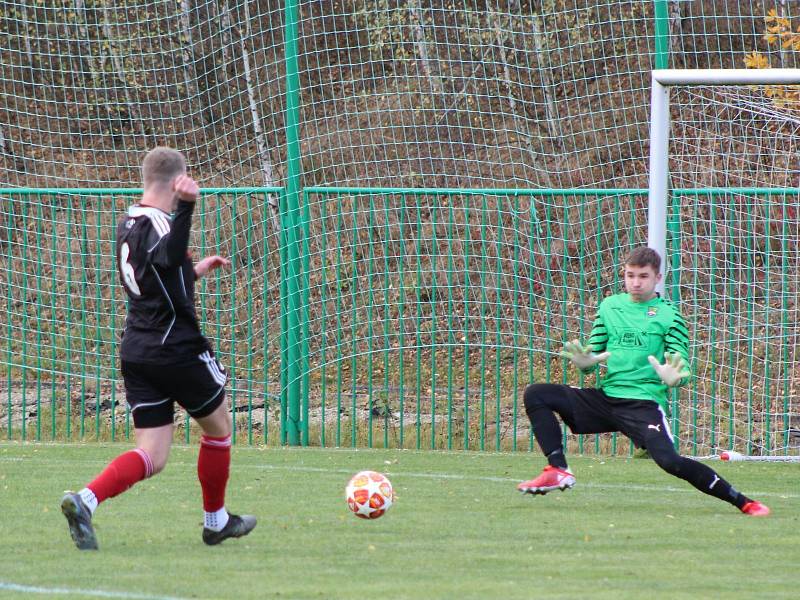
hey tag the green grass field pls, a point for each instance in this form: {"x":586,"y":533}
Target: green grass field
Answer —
{"x":459,"y":529}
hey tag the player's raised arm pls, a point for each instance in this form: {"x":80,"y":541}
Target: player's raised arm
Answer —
{"x":170,"y":248}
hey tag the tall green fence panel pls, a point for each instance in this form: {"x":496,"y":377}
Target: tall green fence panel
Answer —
{"x":735,"y":258}
{"x":432,"y":309}
{"x":64,"y":310}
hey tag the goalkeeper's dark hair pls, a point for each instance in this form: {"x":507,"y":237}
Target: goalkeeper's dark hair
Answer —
{"x":644,"y":257}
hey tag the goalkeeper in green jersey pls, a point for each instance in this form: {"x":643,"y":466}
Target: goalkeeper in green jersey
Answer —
{"x":644,"y":342}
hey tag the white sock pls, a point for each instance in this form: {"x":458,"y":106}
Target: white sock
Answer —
{"x":216,"y":521}
{"x":89,"y":499}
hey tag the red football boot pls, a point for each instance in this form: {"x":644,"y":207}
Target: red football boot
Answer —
{"x":755,"y":509}
{"x":552,"y":478}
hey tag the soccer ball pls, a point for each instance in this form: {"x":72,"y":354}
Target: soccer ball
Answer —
{"x":369,"y":494}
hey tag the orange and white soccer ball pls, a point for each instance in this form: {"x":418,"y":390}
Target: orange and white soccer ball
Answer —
{"x":369,"y":494}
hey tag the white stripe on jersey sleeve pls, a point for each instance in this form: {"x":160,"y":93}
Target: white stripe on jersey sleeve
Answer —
{"x":159,"y":219}
{"x":161,"y":225}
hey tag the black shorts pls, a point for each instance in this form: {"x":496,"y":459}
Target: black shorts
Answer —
{"x":590,"y":410}
{"x":152,"y":390}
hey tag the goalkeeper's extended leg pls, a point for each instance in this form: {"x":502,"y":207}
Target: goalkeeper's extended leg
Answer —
{"x":701,"y":476}
{"x":540,"y":402}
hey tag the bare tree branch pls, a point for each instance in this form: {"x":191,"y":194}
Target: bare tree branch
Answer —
{"x":267,"y":171}
{"x":421,"y":44}
{"x":122,"y":79}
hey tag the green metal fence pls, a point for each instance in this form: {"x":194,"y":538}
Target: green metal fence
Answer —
{"x":407,"y":318}
{"x":64,"y":309}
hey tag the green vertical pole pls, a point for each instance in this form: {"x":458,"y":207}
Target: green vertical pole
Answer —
{"x":354,"y":324}
{"x":661,"y":33}
{"x":434,"y":294}
{"x":581,"y":291}
{"x":69,"y":315}
{"x":264,"y":302}
{"x":785,"y":362}
{"x":401,"y":302}
{"x":767,"y":329}
{"x":731,"y":332}
{"x":386,"y":318}
{"x":323,"y":303}
{"x":564,"y":313}
{"x":498,"y":324}
{"x":232,"y":362}
{"x":84,"y":243}
{"x":290,"y":395}
{"x":250,"y":289}
{"x":693,"y":391}
{"x":40,"y":241}
{"x":98,"y":302}
{"x":418,"y":321}
{"x":712,"y":342}
{"x":24,"y":331}
{"x":750,"y":266}
{"x":450,"y":322}
{"x":483,"y":310}
{"x":53,"y":328}
{"x":370,"y":312}
{"x":467,"y":246}
{"x":515,"y":202}
{"x":304,"y":291}
{"x":10,"y":260}
{"x":338,"y":312}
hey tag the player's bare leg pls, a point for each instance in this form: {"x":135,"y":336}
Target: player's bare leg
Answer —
{"x":213,"y":466}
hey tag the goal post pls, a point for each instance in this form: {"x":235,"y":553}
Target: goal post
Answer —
{"x":662,"y":80}
{"x":723,"y":205}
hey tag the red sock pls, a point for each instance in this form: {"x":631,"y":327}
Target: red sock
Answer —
{"x":121,"y":473}
{"x":213,"y":466}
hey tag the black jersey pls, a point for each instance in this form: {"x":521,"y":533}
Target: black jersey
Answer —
{"x":156,"y":270}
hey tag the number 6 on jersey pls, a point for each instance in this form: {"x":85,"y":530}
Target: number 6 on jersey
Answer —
{"x":126,"y":269}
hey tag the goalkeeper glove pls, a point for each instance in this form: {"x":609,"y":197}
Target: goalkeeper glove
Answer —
{"x":674,"y":369}
{"x":582,"y":356}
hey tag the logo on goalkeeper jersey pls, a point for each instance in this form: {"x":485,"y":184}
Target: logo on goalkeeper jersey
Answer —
{"x":651,"y":312}
{"x":631,"y":338}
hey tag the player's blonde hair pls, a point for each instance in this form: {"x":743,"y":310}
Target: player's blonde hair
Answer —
{"x":161,"y":165}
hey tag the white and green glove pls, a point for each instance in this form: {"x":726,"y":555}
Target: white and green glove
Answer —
{"x":674,"y":369}
{"x":582,"y":356}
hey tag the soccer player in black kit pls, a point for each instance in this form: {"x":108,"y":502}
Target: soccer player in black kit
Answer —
{"x":165,"y":358}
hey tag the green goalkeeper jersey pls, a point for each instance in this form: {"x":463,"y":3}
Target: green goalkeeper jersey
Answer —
{"x":631,"y":331}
